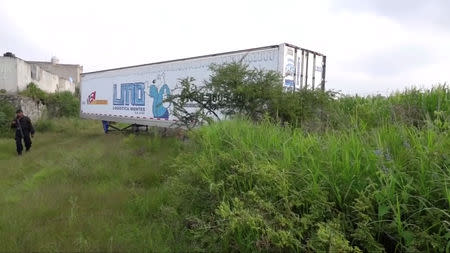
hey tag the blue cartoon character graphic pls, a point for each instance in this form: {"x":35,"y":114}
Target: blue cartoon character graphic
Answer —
{"x":159,"y":107}
{"x":289,"y":73}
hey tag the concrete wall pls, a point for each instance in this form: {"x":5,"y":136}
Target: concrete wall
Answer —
{"x":44,"y":80}
{"x":16,"y":74}
{"x":23,"y":74}
{"x":34,"y":110}
{"x":65,"y":71}
{"x":65,"y":85}
{"x":8,"y":74}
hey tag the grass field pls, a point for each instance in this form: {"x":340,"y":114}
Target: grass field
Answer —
{"x":358,"y":175}
{"x":81,"y":190}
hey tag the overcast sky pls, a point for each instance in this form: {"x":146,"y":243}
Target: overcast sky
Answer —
{"x":373,"y":46}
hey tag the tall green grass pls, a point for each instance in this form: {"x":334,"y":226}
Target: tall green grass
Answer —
{"x":249,"y":187}
{"x":412,"y":107}
{"x":355,"y":174}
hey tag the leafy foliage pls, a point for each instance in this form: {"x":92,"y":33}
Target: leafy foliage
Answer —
{"x":7,"y":112}
{"x":34,"y":92}
{"x":234,"y":89}
{"x":63,"y":104}
{"x":59,"y":104}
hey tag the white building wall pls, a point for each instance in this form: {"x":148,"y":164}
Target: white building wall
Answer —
{"x":8,"y":74}
{"x":65,"y":85}
{"x":16,"y":74}
{"x":48,"y":82}
{"x":23,"y":74}
{"x":65,"y":71}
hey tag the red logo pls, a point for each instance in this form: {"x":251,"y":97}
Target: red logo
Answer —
{"x":91,"y":97}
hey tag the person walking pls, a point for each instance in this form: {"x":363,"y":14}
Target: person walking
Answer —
{"x":24,"y":128}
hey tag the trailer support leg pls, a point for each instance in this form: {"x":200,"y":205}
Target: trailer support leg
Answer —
{"x":134,"y":127}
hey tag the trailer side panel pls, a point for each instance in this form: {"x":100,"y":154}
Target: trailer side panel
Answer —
{"x":135,"y":95}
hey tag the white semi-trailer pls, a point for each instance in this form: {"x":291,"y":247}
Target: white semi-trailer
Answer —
{"x":136,"y":94}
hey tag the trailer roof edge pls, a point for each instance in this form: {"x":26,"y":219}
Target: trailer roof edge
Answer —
{"x":201,"y":56}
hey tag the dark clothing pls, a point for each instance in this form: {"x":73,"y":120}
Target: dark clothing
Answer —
{"x":23,"y":128}
{"x":19,"y":146}
{"x":22,"y":125}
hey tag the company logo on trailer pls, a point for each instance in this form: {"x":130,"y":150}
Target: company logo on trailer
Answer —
{"x":91,"y":97}
{"x":91,"y":100}
{"x":132,"y":98}
{"x":130,"y":94}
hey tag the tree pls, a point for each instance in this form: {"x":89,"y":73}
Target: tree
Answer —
{"x":233,"y":89}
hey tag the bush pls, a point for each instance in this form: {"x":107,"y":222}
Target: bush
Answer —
{"x":309,"y":109}
{"x":59,"y":104}
{"x":63,"y":104}
{"x":34,"y":92}
{"x":7,"y":113}
{"x":4,"y":120}
{"x":234,"y":89}
{"x":244,"y":91}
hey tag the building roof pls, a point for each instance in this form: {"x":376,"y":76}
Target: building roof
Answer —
{"x":47,"y":62}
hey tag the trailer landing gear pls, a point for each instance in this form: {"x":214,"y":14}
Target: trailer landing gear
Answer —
{"x":108,"y":127}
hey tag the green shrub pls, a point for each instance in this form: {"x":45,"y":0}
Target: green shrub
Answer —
{"x":235,"y":89}
{"x":244,"y":91}
{"x":59,"y":104}
{"x":63,"y":104}
{"x":309,"y":109}
{"x":34,"y":92}
{"x":4,"y":120}
{"x":7,"y":113}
